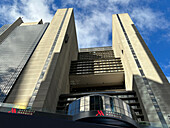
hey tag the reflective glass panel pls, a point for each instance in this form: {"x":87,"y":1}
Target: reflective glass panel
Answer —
{"x":15,"y":51}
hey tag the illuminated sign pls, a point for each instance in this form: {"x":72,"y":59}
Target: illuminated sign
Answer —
{"x":99,"y":113}
{"x":108,"y":113}
{"x":21,"y":111}
{"x":13,"y":110}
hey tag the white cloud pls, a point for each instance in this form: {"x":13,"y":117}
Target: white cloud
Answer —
{"x":167,"y":66}
{"x":30,"y":10}
{"x":146,"y":18}
{"x":119,"y":1}
{"x":93,"y":30}
{"x":93,"y":17}
{"x":167,"y":36}
{"x":93,"y":21}
{"x":80,"y":3}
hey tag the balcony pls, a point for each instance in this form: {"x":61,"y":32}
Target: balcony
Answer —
{"x":99,"y":73}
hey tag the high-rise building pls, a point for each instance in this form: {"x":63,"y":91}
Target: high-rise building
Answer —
{"x":43,"y":74}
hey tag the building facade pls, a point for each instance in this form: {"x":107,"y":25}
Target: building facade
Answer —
{"x":43,"y":71}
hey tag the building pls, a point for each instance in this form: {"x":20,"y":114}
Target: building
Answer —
{"x":44,"y":75}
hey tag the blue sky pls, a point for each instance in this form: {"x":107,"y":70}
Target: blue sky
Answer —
{"x":93,"y":20}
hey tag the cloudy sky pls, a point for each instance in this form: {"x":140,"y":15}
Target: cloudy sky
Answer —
{"x":93,"y":20}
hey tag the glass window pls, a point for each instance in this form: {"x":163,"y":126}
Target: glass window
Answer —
{"x":122,"y":111}
{"x":69,"y":108}
{"x":103,"y":102}
{"x":86,"y":100}
{"x":121,"y":104}
{"x":72,"y":112}
{"x":78,"y":104}
{"x":126,"y":113}
{"x":98,"y":102}
{"x":107,"y":100}
{"x":12,"y":67}
{"x":82,"y":108}
{"x":124,"y":106}
{"x":116,"y":102}
{"x":77,"y":110}
{"x":130,"y":115}
{"x":108,"y":108}
{"x":96,"y":99}
{"x":118,"y":109}
{"x":111,"y":104}
{"x":128,"y":108}
{"x":86,"y":108}
{"x":82,"y":101}
{"x":92,"y":103}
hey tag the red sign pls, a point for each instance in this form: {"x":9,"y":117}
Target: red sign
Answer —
{"x":99,"y":113}
{"x":13,"y":110}
{"x":21,"y":111}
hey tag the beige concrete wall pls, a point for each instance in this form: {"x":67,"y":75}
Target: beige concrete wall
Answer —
{"x":152,"y":71}
{"x":56,"y":80}
{"x":32,"y":23}
{"x":24,"y":87}
{"x":157,"y":80}
{"x":120,"y":45}
{"x":10,"y":29}
{"x":146,"y":63}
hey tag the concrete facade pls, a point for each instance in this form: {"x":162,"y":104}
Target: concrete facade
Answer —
{"x":16,"y":50}
{"x":140,"y":67}
{"x":57,"y":71}
{"x":10,"y":29}
{"x":32,"y":23}
{"x":55,"y":67}
{"x":56,"y":80}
